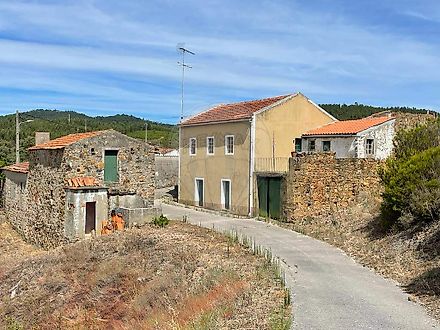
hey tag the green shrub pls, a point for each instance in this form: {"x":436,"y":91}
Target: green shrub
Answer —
{"x":412,"y":187}
{"x":161,"y":221}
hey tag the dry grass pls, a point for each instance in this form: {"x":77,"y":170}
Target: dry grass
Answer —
{"x":179,"y":277}
{"x":410,"y":257}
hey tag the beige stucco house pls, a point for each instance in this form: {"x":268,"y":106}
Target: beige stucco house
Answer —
{"x":230,"y":149}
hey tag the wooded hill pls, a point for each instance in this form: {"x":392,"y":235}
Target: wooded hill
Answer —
{"x":60,"y":123}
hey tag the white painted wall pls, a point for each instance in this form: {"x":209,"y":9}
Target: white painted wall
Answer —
{"x":354,"y":146}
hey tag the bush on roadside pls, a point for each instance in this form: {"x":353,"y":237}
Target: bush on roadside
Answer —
{"x":161,"y":221}
{"x":411,"y":178}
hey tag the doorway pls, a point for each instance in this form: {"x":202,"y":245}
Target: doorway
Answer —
{"x":269,"y":197}
{"x":90,"y":217}
{"x":226,"y":194}
{"x":199,"y":192}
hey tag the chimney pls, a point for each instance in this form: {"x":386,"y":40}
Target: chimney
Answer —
{"x":41,"y":137}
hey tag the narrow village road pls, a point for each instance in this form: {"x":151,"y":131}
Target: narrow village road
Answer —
{"x":330,"y":290}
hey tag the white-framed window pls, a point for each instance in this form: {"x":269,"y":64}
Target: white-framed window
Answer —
{"x":210,"y":145}
{"x":225,"y":193}
{"x":229,"y":144}
{"x":369,"y":146}
{"x":192,"y":146}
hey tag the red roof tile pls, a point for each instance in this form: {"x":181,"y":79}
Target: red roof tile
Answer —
{"x":232,"y":111}
{"x":64,"y":141}
{"x":348,"y":127}
{"x":82,"y":181}
{"x":19,"y":168}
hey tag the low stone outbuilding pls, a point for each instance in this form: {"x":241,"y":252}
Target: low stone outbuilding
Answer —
{"x":370,"y":137}
{"x":71,"y":183}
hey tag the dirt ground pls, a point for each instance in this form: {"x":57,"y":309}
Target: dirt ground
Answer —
{"x":411,"y":257}
{"x":178,"y":277}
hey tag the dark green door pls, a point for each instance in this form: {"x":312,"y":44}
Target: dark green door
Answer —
{"x":262,"y":196}
{"x":269,"y":197}
{"x":274,"y":198}
{"x":111,"y":166}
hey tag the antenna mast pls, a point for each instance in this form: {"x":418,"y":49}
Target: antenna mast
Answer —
{"x":181,"y":48}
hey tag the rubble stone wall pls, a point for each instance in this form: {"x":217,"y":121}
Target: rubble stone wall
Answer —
{"x":319,"y":185}
{"x":167,"y":171}
{"x":136,"y":167}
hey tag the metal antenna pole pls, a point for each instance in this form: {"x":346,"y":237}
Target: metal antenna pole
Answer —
{"x":181,"y":48}
{"x":17,"y":137}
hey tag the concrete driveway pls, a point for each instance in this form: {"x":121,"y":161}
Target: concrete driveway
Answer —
{"x":329,"y":289}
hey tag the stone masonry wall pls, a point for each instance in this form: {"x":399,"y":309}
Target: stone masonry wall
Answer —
{"x":167,"y":171}
{"x":40,"y":218}
{"x":136,"y":167}
{"x":319,"y":185}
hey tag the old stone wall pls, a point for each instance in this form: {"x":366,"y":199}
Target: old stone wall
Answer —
{"x":319,"y":185}
{"x":136,"y":167}
{"x":15,"y":198}
{"x":409,"y":120}
{"x":167,"y":171}
{"x":46,"y":197}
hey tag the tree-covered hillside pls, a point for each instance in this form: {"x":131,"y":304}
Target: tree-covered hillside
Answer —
{"x":356,"y":111}
{"x":60,"y":123}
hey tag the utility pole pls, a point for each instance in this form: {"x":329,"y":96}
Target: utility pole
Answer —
{"x":85,"y":125}
{"x":69,"y":118}
{"x":181,"y":48}
{"x":17,"y":138}
{"x":17,"y":135}
{"x":146,"y":132}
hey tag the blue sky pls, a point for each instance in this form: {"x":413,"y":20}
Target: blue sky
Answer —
{"x":105,"y":57}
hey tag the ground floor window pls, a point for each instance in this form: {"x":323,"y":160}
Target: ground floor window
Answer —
{"x":369,"y":147}
{"x":226,"y":194}
{"x":326,"y":146}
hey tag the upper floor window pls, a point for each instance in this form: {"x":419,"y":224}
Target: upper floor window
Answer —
{"x":192,"y":146}
{"x":312,"y":145}
{"x":229,"y":144}
{"x":326,"y":146}
{"x":210,"y":145}
{"x":298,"y":147}
{"x":369,"y":147}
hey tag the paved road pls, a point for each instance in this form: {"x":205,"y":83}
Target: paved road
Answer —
{"x":330,"y":290}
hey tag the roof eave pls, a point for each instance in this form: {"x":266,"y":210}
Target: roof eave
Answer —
{"x":215,"y":122}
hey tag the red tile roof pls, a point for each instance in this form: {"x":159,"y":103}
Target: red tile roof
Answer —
{"x":82,"y":181}
{"x":232,"y":111}
{"x":64,"y":141}
{"x":348,"y":127}
{"x":19,"y":168}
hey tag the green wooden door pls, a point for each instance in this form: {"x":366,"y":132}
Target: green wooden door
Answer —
{"x":274,"y":198}
{"x":111,"y":166}
{"x":262,"y":196}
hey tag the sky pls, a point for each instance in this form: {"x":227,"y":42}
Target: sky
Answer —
{"x":103,"y":57}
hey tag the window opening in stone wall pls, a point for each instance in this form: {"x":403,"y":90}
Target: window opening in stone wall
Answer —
{"x":369,"y":147}
{"x":326,"y":146}
{"x":92,"y":151}
{"x":312,"y":145}
{"x":298,"y":147}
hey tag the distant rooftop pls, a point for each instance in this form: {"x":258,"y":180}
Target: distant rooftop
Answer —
{"x":348,"y":127}
{"x":64,"y":141}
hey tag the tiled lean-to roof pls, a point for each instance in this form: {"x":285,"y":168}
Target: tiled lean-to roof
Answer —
{"x":18,"y":168}
{"x":64,"y":141}
{"x":81,"y":182}
{"x":348,"y":127}
{"x":232,"y":111}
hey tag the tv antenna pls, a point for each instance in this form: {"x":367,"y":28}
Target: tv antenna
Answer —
{"x":181,"y":48}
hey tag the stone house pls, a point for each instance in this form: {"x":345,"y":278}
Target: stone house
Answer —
{"x":233,"y":156}
{"x":370,"y":137}
{"x":71,"y":183}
